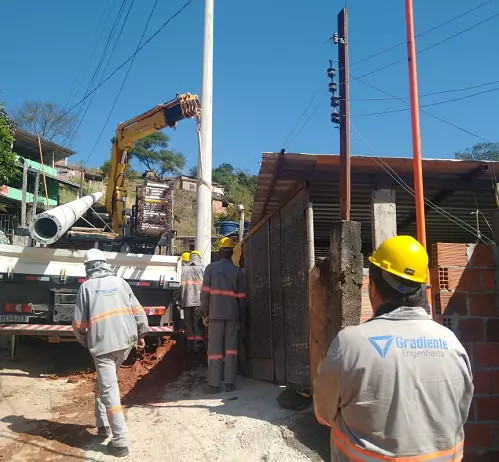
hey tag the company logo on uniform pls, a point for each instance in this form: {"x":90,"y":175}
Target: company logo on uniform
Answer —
{"x":382,"y":344}
{"x":106,"y":292}
{"x":413,"y":347}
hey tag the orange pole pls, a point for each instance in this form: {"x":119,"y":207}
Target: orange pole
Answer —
{"x":416,"y":134}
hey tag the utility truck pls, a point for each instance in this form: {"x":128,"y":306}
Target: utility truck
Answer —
{"x":39,"y":285}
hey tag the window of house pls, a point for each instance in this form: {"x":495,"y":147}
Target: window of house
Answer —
{"x":192,"y":186}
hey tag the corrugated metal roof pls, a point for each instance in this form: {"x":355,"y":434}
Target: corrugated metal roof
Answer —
{"x":26,"y":145}
{"x":458,"y":187}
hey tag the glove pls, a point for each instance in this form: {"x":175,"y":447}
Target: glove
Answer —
{"x":206,"y":321}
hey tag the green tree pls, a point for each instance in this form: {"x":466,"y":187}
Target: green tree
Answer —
{"x":480,"y":151}
{"x":130,"y":173}
{"x":8,"y":162}
{"x":47,"y":119}
{"x":153,"y":153}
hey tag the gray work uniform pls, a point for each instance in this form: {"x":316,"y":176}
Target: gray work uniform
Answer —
{"x":192,"y":280}
{"x":108,"y":320}
{"x":223,"y":298}
{"x":397,"y":387}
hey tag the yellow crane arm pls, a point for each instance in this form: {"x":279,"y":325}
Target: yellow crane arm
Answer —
{"x":184,"y":106}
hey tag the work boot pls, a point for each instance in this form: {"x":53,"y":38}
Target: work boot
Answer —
{"x":117,"y":452}
{"x":229,"y":387}
{"x":103,"y":431}
{"x":211,"y":390}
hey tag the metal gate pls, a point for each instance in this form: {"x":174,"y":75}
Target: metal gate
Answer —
{"x":275,"y":261}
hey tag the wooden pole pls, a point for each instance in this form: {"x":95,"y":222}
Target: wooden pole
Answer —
{"x":43,"y":172}
{"x":24,"y":193}
{"x":344,"y":115}
{"x":416,"y":134}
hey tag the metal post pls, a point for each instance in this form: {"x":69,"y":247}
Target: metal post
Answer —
{"x":203,"y":190}
{"x":24,"y":193}
{"x":241,"y":222}
{"x":416,"y":134}
{"x":35,"y":197}
{"x":344,"y":115}
{"x":310,"y":236}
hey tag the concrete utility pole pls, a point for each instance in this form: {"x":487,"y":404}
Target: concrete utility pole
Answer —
{"x":240,"y":209}
{"x":203,"y":191}
{"x":344,"y":115}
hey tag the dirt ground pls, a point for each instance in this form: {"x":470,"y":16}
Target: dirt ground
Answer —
{"x":46,"y":411}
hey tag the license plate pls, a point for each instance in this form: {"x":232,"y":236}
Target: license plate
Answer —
{"x":14,"y":318}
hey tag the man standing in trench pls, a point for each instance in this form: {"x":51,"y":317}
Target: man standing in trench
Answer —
{"x":399,"y":386}
{"x":108,"y":320}
{"x":223,"y":301}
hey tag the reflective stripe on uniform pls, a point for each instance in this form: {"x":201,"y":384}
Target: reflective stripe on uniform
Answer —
{"x":225,"y":293}
{"x":215,"y":357}
{"x":231,"y":352}
{"x":106,"y":315}
{"x":114,"y":410}
{"x":358,"y":454}
{"x":192,"y":283}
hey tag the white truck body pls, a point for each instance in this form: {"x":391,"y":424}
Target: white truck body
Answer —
{"x":38,"y":287}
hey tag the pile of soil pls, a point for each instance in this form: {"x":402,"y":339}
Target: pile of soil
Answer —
{"x":143,"y":377}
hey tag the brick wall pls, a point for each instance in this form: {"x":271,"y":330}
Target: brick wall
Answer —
{"x":464,"y":295}
{"x":367,"y":311}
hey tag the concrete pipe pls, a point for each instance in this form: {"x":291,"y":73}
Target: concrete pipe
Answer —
{"x":50,"y":226}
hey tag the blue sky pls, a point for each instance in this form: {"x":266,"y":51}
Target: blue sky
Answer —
{"x":270,"y":60}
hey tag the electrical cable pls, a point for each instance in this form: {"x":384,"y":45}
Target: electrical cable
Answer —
{"x":79,"y":80}
{"x":426,"y":112}
{"x":374,"y":55}
{"x":439,"y":92}
{"x":82,"y":109}
{"x":405,"y":58}
{"x":130,"y":58}
{"x":427,"y":48}
{"x":388,"y":169}
{"x":105,"y":68}
{"x":124,"y":80}
{"x":427,"y":105}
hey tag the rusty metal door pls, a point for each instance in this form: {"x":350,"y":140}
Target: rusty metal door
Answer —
{"x":294,"y":273}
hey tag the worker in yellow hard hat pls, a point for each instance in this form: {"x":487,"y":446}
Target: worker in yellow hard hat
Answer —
{"x":397,"y":372}
{"x":185,"y":258}
{"x":223,"y":300}
{"x":192,"y":280}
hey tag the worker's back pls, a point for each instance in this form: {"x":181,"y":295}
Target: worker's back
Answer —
{"x":108,"y":308}
{"x":223,"y":283}
{"x":192,"y":280}
{"x":405,"y":389}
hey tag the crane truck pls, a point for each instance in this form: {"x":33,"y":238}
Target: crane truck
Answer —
{"x":39,"y":285}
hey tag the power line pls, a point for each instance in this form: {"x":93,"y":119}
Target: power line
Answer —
{"x":124,"y":80}
{"x":438,"y":26}
{"x":105,"y":68}
{"x":79,"y":80}
{"x":429,"y":104}
{"x":425,"y":112}
{"x":388,"y":169}
{"x":402,"y":59}
{"x":82,"y":109}
{"x":124,"y":63}
{"x":428,"y":47}
{"x":450,"y":90}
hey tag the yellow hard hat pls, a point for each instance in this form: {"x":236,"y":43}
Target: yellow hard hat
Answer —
{"x":185,"y":256}
{"x":195,"y":252}
{"x":226,"y":243}
{"x":402,"y":256}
